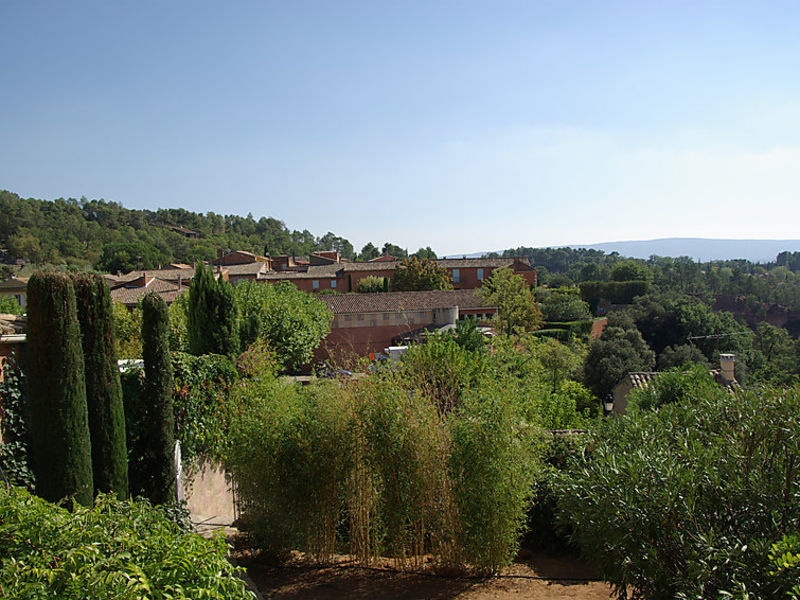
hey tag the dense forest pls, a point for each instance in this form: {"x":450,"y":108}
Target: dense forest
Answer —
{"x":109,"y":237}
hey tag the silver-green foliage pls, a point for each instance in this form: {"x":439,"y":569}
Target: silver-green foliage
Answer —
{"x":686,"y":501}
{"x":114,"y":549}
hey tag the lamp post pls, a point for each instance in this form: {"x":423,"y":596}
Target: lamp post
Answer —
{"x":608,"y":404}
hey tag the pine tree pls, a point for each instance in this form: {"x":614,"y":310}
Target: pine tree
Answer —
{"x":103,"y":388}
{"x":61,"y":447}
{"x":159,"y":480}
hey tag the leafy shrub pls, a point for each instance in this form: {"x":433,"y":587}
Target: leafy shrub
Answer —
{"x":544,"y":532}
{"x":686,"y":501}
{"x":676,"y":386}
{"x":785,"y":558}
{"x":202,"y":385}
{"x":127,"y":330}
{"x":372,"y":284}
{"x":291,"y":321}
{"x":203,"y":405}
{"x":10,"y":306}
{"x":441,"y":369}
{"x":14,"y":416}
{"x":121,"y":550}
{"x":564,"y":307}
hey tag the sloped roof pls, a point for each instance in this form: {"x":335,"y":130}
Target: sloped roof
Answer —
{"x":12,"y":324}
{"x":253,"y":268}
{"x":14,"y":283}
{"x":644,"y":379}
{"x":313,"y":272}
{"x":131,"y":295}
{"x":401,"y":301}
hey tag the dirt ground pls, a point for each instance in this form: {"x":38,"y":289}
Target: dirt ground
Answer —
{"x":538,"y":576}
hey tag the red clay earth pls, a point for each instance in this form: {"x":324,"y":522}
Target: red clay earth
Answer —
{"x":539,"y":577}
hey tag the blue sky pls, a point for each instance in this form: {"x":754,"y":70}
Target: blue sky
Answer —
{"x":461,"y":125}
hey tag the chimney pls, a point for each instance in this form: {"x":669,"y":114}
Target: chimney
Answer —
{"x":726,"y":362}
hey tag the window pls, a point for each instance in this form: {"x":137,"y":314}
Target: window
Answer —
{"x":360,"y":317}
{"x":333,"y":284}
{"x":315,"y":284}
{"x":385,"y":316}
{"x":456,"y":276}
{"x":347,"y":317}
{"x":480,"y":274}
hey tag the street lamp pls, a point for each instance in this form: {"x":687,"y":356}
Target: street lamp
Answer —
{"x":608,"y":404}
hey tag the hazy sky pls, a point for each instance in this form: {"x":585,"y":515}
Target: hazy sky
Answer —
{"x":461,"y":125}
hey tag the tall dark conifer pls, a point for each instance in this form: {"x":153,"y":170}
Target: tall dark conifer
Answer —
{"x":103,"y":389}
{"x":212,"y":317}
{"x":61,"y":447}
{"x":159,"y":480}
{"x":201,"y":309}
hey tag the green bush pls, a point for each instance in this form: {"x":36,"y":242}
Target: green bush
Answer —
{"x":616,"y":292}
{"x":372,"y":284}
{"x":402,"y":444}
{"x":564,"y":307}
{"x":291,"y":456}
{"x":200,"y":404}
{"x":14,"y":418}
{"x":121,"y":550}
{"x":491,"y":473}
{"x":687,"y":500}
{"x":441,"y":369}
{"x":9,"y":305}
{"x":376,"y":465}
{"x":291,"y":321}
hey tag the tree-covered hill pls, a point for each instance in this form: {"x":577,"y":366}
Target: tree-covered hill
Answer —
{"x":109,"y":237}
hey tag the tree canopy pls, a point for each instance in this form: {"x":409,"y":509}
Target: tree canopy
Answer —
{"x":291,"y":321}
{"x":413,"y":274}
{"x":517,"y":309}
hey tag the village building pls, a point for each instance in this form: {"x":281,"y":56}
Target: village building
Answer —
{"x":131,"y":291}
{"x":369,"y":323}
{"x":724,"y":376}
{"x":15,"y":287}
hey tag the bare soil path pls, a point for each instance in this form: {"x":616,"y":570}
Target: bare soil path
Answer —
{"x":540,"y":577}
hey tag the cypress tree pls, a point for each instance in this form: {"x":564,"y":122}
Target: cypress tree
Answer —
{"x":60,"y":443}
{"x":226,"y":322}
{"x":159,"y":480}
{"x":103,"y":388}
{"x":212,"y":316}
{"x":200,"y":313}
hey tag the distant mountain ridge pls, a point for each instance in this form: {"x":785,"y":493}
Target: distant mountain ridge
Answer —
{"x":699,"y":249}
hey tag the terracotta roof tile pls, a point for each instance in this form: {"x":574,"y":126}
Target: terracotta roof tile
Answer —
{"x":401,"y":301}
{"x":130,"y":296}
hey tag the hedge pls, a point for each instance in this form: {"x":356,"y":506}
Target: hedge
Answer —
{"x":616,"y":292}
